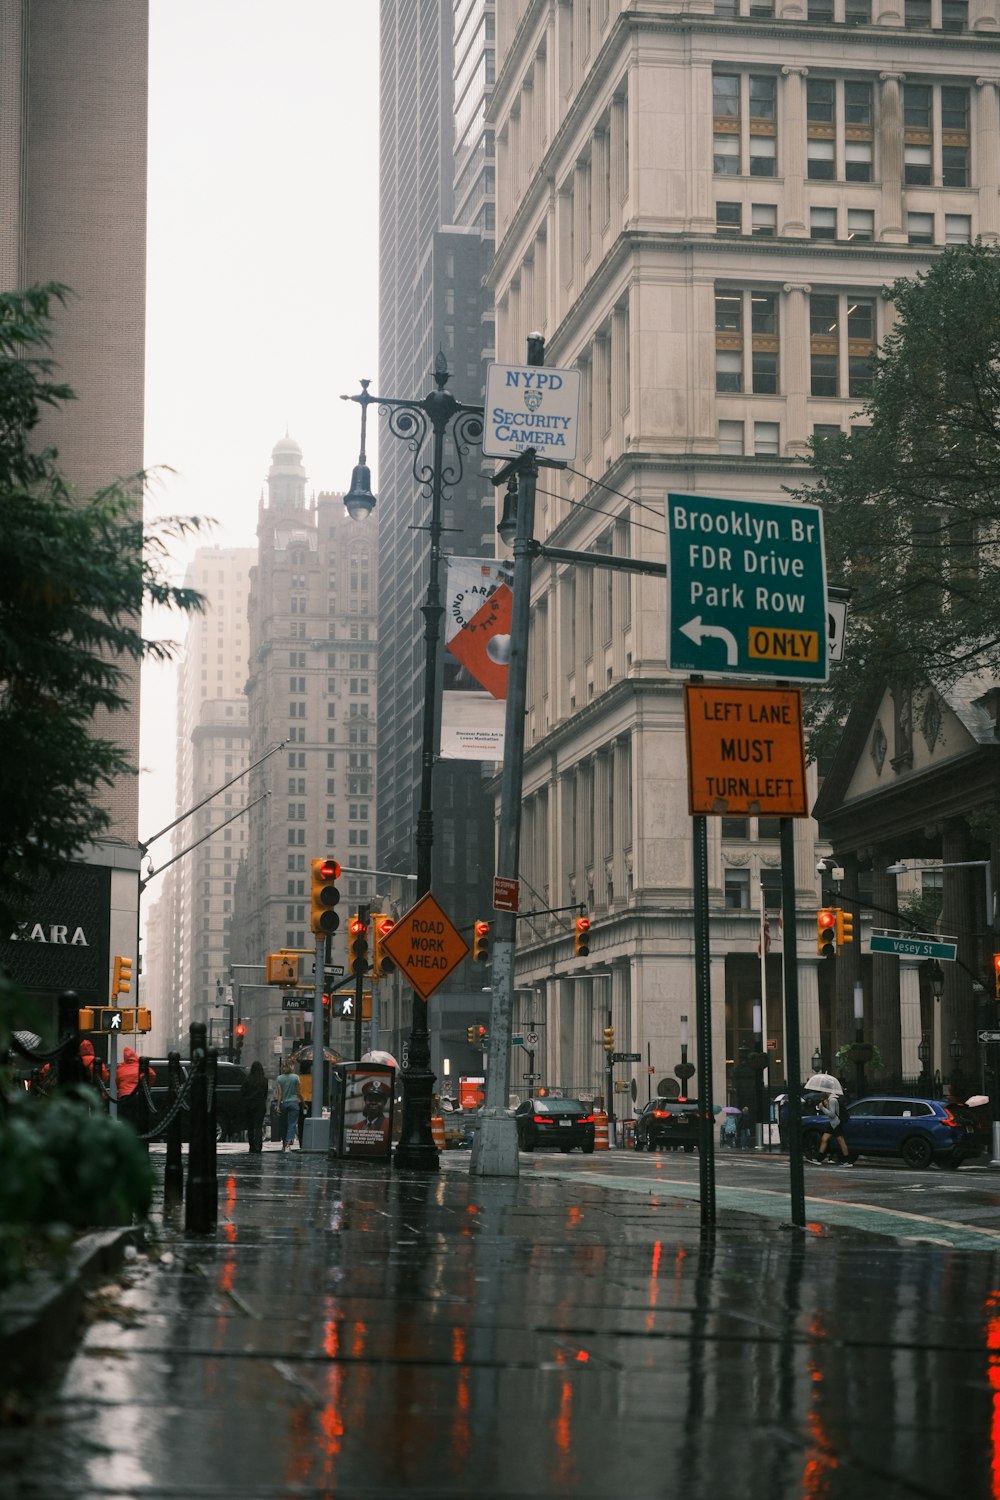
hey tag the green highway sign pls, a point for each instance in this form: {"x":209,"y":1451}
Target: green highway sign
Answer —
{"x":746,"y":588}
{"x":913,"y":947}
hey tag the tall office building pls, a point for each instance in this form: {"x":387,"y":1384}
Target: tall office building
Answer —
{"x":699,"y":205}
{"x":310,"y":690}
{"x":73,"y":85}
{"x":436,"y":222}
{"x":212,"y":744}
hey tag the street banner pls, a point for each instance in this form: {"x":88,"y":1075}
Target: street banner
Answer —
{"x":478,"y":603}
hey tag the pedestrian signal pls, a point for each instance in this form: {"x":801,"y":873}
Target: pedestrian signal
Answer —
{"x":143,"y":1019}
{"x":826,"y":933}
{"x":357,"y":946}
{"x":481,"y":942}
{"x":128,"y":1019}
{"x":845,"y":927}
{"x":382,"y":925}
{"x":282,"y":968}
{"x":609,"y":1038}
{"x":111,"y":1020}
{"x":323,"y":918}
{"x":122,"y":981}
{"x":582,"y":937}
{"x":85,"y":1018}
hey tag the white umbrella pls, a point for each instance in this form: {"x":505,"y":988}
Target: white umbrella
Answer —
{"x":379,"y":1057}
{"x":824,"y":1083}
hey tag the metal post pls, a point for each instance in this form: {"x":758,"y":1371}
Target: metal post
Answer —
{"x":703,"y":1023}
{"x":200,"y":1208}
{"x":793,"y":1070}
{"x":365,"y":916}
{"x":173,"y":1175}
{"x":68,"y":1065}
{"x":494,"y":1151}
{"x":319,"y":1059}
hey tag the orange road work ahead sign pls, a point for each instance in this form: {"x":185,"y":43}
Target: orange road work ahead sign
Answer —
{"x":745,"y":751}
{"x":426,"y":945}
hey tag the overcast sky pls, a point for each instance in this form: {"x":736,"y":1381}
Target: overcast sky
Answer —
{"x":262,"y":299}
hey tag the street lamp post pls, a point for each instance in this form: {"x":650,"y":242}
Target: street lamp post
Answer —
{"x":924,"y":1054}
{"x":684,"y":1070}
{"x":438,"y":414}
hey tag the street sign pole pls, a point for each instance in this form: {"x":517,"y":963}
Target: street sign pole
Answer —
{"x":703,"y":1023}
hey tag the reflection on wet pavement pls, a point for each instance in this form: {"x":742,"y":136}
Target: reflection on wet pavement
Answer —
{"x":351,"y":1330}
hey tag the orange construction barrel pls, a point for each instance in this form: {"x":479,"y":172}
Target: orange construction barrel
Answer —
{"x":437,"y":1131}
{"x":601,"y":1142}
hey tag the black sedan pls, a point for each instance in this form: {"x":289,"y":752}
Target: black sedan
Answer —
{"x":563,"y":1123}
{"x":667,"y":1125}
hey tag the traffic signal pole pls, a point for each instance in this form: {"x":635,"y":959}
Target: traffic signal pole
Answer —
{"x":364,"y":915}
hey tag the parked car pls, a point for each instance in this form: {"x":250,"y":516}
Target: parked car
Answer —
{"x":918,"y":1131}
{"x":563,"y":1123}
{"x":229,"y":1122}
{"x":667,"y":1125}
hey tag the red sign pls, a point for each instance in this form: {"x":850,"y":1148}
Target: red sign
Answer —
{"x":506,"y":893}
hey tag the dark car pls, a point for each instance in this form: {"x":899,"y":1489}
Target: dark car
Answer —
{"x":918,"y":1131}
{"x":229,"y":1121}
{"x":563,"y":1123}
{"x":667,"y":1125}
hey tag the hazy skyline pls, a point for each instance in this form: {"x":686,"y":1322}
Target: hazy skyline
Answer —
{"x":262,"y":293}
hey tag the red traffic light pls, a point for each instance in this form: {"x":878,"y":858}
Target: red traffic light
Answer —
{"x":240,"y":1029}
{"x":826,"y":919}
{"x":328,"y":870}
{"x":385,"y":927}
{"x":355,"y":925}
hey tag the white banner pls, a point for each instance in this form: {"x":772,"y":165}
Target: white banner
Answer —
{"x":477,"y":649}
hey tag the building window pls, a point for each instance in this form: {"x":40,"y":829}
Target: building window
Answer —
{"x":919,"y":229}
{"x":917,"y":14}
{"x":823,"y":223}
{"x":957,"y":229}
{"x":841,"y":338}
{"x":735,"y":828}
{"x":954,"y":15}
{"x":935,"y":151}
{"x":763,"y":219}
{"x":839,"y":130}
{"x":733,"y":310}
{"x":728,"y":218}
{"x":765,"y":439}
{"x":745,"y":124}
{"x":861,"y":225}
{"x":731,"y":437}
{"x":736,"y":889}
{"x":820,"y":10}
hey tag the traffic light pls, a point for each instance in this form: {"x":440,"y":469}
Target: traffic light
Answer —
{"x":481,"y":942}
{"x":122,"y":981}
{"x":382,"y":925}
{"x":128,"y":1019}
{"x":143,"y":1019}
{"x":471,"y":1034}
{"x":844,"y":927}
{"x":477,"y":1036}
{"x":323,"y":918}
{"x":111,"y":1019}
{"x":85,"y":1018}
{"x":239,"y":1033}
{"x":609,"y":1038}
{"x":282,"y":968}
{"x":357,"y":946}
{"x":826,"y":932}
{"x":996,"y":975}
{"x":581,"y":940}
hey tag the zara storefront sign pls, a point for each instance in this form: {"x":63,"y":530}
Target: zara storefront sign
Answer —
{"x":531,"y":406}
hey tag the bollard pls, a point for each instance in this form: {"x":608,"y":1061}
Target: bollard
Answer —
{"x":200,"y":1207}
{"x":69,"y":1068}
{"x":142,"y":1103}
{"x":173,"y":1176}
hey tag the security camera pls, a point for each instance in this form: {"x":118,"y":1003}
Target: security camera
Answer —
{"x":821,"y":867}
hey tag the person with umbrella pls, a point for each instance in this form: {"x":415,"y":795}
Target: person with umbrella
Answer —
{"x":829,"y":1105}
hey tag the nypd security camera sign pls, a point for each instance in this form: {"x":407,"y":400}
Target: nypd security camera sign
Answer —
{"x":531,"y":406}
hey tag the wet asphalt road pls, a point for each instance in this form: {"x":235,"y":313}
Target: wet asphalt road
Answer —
{"x":353,"y":1331}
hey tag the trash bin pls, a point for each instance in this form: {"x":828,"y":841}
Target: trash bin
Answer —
{"x":628,"y":1134}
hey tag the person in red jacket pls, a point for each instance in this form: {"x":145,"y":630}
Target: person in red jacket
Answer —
{"x":127,"y":1073}
{"x":95,"y":1070}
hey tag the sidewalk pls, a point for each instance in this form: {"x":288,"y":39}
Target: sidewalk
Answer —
{"x":353,"y":1331}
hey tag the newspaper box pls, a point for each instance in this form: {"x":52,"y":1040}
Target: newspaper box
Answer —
{"x":361,"y":1110}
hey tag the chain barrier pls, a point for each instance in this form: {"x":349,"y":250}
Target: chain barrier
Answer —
{"x":181,"y":1102}
{"x":61,"y":1049}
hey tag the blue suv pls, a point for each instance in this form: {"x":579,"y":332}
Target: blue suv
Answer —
{"x":917,"y":1130}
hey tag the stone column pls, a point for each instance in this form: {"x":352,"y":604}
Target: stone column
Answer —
{"x":987,"y":133}
{"x":792,"y":146}
{"x":883,"y":1003}
{"x":795,"y":361}
{"x":890,"y":145}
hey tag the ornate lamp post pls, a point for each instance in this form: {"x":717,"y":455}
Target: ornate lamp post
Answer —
{"x":924,"y":1054}
{"x":955,"y":1052}
{"x":437,"y":414}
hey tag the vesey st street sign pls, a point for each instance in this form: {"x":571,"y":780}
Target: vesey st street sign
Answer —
{"x":746,"y":589}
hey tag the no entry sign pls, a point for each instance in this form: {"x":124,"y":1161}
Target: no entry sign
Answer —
{"x":745,"y":751}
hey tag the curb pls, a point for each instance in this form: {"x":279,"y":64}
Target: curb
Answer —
{"x":40,"y":1319}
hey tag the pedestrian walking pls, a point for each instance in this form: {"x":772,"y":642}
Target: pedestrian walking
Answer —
{"x":744,"y":1130}
{"x":127,"y":1073}
{"x":288,"y":1103}
{"x":829,"y":1105}
{"x":253,"y":1100}
{"x":305,"y":1095}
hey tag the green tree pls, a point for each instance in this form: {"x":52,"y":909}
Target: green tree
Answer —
{"x":75,"y":572}
{"x":911,"y":501}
